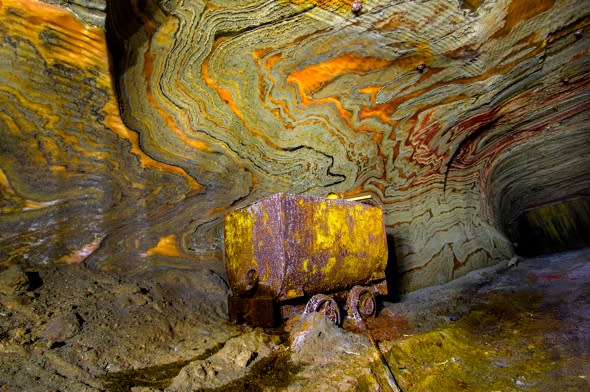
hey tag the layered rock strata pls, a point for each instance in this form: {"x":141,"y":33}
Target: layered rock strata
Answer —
{"x":456,"y":116}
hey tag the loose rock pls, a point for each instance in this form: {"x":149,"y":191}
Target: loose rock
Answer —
{"x":232,"y":362}
{"x":314,"y":339}
{"x":13,"y":281}
{"x":61,"y":328}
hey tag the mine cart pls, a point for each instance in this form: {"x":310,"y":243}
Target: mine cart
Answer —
{"x":289,"y":251}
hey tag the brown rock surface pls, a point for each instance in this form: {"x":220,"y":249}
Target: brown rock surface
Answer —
{"x":61,"y":327}
{"x":13,"y":281}
{"x":80,"y":324}
{"x":232,"y":362}
{"x":507,"y":327}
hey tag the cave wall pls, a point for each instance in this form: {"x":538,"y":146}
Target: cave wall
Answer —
{"x":456,"y":116}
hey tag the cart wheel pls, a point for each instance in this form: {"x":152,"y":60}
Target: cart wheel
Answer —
{"x":251,"y":280}
{"x":326,"y":305}
{"x":361,"y":303}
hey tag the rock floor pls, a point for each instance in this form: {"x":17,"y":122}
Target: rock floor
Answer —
{"x":505,"y":328}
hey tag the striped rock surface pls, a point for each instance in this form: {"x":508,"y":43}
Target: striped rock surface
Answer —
{"x":129,"y":128}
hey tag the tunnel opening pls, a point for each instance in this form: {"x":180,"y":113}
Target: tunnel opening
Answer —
{"x":539,"y":193}
{"x":551,"y":228}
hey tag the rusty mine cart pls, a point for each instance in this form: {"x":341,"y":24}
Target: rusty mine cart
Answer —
{"x":286,"y":249}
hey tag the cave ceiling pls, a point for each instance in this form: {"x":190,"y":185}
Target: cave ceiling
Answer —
{"x":129,"y":128}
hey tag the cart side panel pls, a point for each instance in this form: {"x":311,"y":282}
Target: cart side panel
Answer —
{"x":299,"y":272}
{"x":332,"y":245}
{"x":269,"y":249}
{"x":254,"y":252}
{"x":239,"y":248}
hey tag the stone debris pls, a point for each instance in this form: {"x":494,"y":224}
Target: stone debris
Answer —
{"x":314,"y":339}
{"x":513,"y":261}
{"x":13,"y":281}
{"x":232,"y":362}
{"x":62,"y":327}
{"x":72,"y":326}
{"x":328,"y":352}
{"x":78,"y":332}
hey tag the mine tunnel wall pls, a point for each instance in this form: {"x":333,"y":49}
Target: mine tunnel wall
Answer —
{"x":459,"y":125}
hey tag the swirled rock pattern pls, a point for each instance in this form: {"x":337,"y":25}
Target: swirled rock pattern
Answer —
{"x":456,"y":116}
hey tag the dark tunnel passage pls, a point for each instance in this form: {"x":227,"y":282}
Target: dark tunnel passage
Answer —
{"x":541,"y":194}
{"x":550,"y":228}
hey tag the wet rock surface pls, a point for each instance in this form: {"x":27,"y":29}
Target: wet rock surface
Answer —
{"x":515,"y":326}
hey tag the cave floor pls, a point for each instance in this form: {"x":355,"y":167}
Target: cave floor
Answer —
{"x":524,"y":327}
{"x":504,"y":328}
